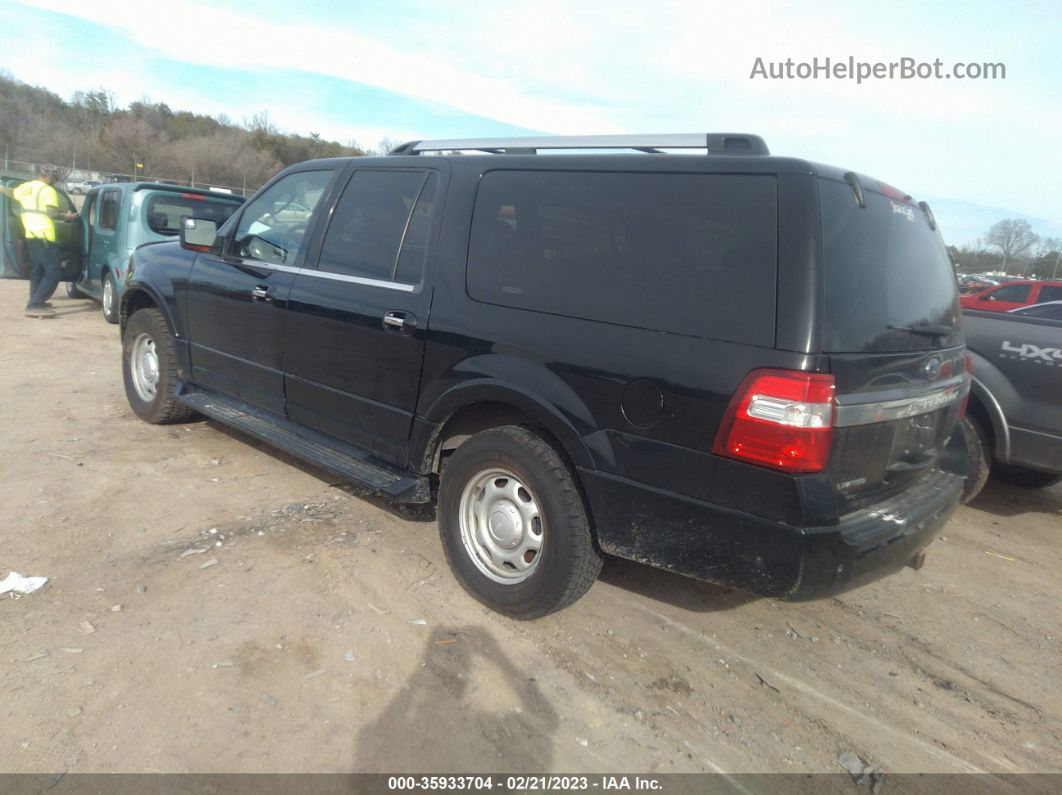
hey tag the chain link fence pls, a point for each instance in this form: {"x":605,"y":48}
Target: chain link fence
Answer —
{"x":74,"y":175}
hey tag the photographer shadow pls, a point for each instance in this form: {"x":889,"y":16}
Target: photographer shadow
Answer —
{"x":466,"y":707}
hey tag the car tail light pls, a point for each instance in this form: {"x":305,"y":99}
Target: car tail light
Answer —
{"x":196,"y":196}
{"x":969,"y":386}
{"x":782,"y":419}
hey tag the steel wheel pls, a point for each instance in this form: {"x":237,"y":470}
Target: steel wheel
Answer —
{"x":501,"y":526}
{"x":108,"y":296}
{"x":144,"y":363}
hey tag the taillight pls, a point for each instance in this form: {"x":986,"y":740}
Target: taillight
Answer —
{"x":780,"y":418}
{"x":969,"y":386}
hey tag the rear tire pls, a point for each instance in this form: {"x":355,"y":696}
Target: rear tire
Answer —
{"x":109,"y":302}
{"x":532,"y":552}
{"x":1025,"y":478}
{"x":978,"y":460}
{"x":149,"y":369}
{"x":73,"y":291}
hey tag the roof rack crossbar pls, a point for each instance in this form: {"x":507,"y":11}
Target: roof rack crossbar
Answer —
{"x":713,"y":143}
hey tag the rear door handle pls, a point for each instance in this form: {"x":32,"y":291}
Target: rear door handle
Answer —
{"x":401,"y":322}
{"x":262,"y":293}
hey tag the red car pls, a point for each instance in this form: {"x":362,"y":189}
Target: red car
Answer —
{"x":1013,"y":295}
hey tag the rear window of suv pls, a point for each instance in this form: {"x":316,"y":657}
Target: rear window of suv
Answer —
{"x":885,"y":268}
{"x":165,"y":211}
{"x":691,"y":254}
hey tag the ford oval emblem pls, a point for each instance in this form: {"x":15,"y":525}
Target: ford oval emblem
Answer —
{"x":932,"y":368}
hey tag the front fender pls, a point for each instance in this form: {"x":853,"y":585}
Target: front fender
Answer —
{"x":157,"y":272}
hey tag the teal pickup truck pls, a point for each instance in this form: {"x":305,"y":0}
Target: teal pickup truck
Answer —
{"x":115,"y":220}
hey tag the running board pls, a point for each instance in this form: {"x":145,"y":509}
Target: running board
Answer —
{"x":346,"y":461}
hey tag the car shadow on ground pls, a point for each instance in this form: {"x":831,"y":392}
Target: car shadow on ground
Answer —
{"x":673,"y":589}
{"x":408,"y":512}
{"x":1004,"y":500}
{"x":466,"y":707}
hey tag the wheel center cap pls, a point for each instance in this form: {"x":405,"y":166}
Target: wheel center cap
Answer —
{"x":505,"y":524}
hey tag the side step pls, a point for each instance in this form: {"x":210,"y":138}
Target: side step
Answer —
{"x":346,"y":461}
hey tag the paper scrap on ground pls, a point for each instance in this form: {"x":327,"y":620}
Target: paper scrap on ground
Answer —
{"x":18,"y":584}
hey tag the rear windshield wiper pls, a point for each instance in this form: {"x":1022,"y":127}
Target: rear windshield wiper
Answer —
{"x":926,"y":330}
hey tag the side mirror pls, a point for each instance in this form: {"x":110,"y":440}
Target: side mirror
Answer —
{"x":200,"y":234}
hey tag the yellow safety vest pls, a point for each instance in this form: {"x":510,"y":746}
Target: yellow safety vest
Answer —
{"x":36,"y":197}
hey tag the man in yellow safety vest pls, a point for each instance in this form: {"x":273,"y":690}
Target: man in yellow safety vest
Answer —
{"x":39,"y":205}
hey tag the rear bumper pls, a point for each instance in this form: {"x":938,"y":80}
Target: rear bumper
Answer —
{"x":766,"y":557}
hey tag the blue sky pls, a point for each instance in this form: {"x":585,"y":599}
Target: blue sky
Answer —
{"x":977,"y":150}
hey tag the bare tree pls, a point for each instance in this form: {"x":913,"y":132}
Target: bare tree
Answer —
{"x":1012,"y":236}
{"x":224,"y":158}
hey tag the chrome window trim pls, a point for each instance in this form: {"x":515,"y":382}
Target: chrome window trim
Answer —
{"x":857,"y":410}
{"x":338,"y":277}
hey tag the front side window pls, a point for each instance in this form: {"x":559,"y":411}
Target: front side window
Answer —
{"x":274,"y":226}
{"x":370,"y":224}
{"x":164,"y":211}
{"x":110,"y":202}
{"x":1012,"y":292}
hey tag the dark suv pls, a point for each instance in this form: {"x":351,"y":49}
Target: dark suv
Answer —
{"x":738,"y":367}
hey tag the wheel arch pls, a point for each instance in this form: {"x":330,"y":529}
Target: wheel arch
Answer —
{"x":984,"y":407}
{"x":464,"y":412}
{"x":140,"y":297}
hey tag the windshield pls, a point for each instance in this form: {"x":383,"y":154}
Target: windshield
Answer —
{"x":890,"y":285}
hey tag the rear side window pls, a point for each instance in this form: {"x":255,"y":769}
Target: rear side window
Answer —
{"x":1049,"y":293}
{"x":165,"y":211}
{"x":369,"y":224}
{"x":1012,"y":292}
{"x":886,"y":271}
{"x":110,"y":201}
{"x":686,"y":253}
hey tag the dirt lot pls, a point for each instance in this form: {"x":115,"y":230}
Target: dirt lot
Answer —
{"x":215,"y":606}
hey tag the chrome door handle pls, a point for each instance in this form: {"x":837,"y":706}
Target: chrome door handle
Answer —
{"x":261,"y":293}
{"x":403,"y":322}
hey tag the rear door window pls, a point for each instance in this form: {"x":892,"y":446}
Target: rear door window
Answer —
{"x":691,"y":254}
{"x":885,"y":271}
{"x":164,"y":211}
{"x":370,"y":223}
{"x":1049,"y":292}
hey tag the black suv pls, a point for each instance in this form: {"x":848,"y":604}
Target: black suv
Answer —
{"x":738,"y":367}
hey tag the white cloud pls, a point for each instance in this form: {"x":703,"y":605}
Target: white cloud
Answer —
{"x":669,"y":66}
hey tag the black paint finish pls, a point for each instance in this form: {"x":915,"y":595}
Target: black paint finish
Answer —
{"x":635,"y":410}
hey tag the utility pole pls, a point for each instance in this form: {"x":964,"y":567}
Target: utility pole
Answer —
{"x":1058,"y":256}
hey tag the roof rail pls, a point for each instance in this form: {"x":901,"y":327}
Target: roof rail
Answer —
{"x":713,"y":143}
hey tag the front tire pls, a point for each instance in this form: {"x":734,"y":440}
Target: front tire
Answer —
{"x":513,"y":524}
{"x":110,"y":299}
{"x":149,"y":369}
{"x":1025,"y":478}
